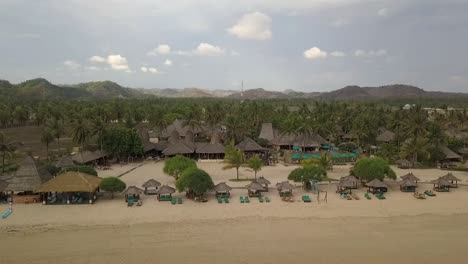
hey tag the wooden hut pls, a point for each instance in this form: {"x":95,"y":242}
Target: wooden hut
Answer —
{"x":410,"y":176}
{"x":250,"y":148}
{"x":404,"y":164}
{"x":285,"y":188}
{"x":451,"y":159}
{"x":441,"y":185}
{"x":254,"y":189}
{"x":452,"y":179}
{"x":264,"y":182}
{"x":151,"y":186}
{"x":222,"y":190}
{"x":70,"y":187}
{"x":179,"y":147}
{"x":132,"y":192}
{"x":346,"y":184}
{"x":386,"y":136}
{"x":65,"y":161}
{"x":88,"y":157}
{"x":210,"y":151}
{"x":408,"y":185}
{"x":377,"y":186}
{"x":165,"y":193}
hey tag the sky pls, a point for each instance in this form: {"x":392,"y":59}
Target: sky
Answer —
{"x":304,"y":45}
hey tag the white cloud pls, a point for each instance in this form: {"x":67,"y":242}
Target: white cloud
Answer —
{"x":168,"y":62}
{"x":115,"y":61}
{"x":255,"y":26}
{"x":337,"y":54}
{"x":234,"y":53}
{"x":144,"y":69}
{"x":153,"y":70}
{"x":71,"y":64}
{"x":183,"y":53}
{"x":315,"y":53}
{"x":92,"y":68}
{"x":340,"y":23}
{"x":149,"y":70}
{"x":370,"y":53}
{"x":382,"y":12}
{"x":162,"y":49}
{"x":205,"y":49}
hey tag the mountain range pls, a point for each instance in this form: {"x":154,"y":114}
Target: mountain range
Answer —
{"x":41,"y":88}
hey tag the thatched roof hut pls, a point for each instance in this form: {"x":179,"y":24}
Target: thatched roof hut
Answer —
{"x":84,"y":157}
{"x":264,"y":182}
{"x":71,"y":181}
{"x":285,"y":186}
{"x":377,"y":185}
{"x":452,"y":179}
{"x":386,"y":136}
{"x":249,"y":145}
{"x":133,"y":190}
{"x":403,"y":163}
{"x":27,"y":178}
{"x":178,"y":148}
{"x":151,"y":186}
{"x":450,"y":155}
{"x":442,"y":185}
{"x":65,"y":161}
{"x":255,"y":187}
{"x":410,"y":176}
{"x":408,"y":185}
{"x":222,"y":189}
{"x":211,"y":148}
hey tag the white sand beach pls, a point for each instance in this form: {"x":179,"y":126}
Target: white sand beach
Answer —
{"x":110,"y":232}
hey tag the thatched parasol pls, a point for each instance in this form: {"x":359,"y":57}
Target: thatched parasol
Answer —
{"x":255,"y":187}
{"x":151,"y":183}
{"x":71,"y":181}
{"x":450,"y":177}
{"x":222,"y":187}
{"x":410,"y":176}
{"x":441,"y":182}
{"x":133,"y":190}
{"x":165,"y":189}
{"x":376,"y":183}
{"x":285,"y":186}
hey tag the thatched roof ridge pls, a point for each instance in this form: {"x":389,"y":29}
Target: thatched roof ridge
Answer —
{"x":65,"y":161}
{"x":450,"y":177}
{"x":87,"y":156}
{"x":255,"y":186}
{"x":408,"y":183}
{"x":249,"y":144}
{"x":211,"y":148}
{"x":71,"y":181}
{"x":267,"y":132}
{"x":26,"y":178}
{"x":165,"y":189}
{"x":133,"y":190}
{"x":386,"y":136}
{"x":151,"y":183}
{"x":410,"y":176}
{"x":263,"y":181}
{"x":178,"y":148}
{"x":441,"y":182}
{"x":181,"y":128}
{"x":348,"y":182}
{"x":449,"y":154}
{"x":222,"y":187}
{"x":285,"y":185}
{"x":376,"y":183}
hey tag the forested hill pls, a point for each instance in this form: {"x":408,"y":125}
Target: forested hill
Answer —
{"x":43,"y":89}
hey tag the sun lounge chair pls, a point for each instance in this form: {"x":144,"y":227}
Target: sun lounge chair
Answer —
{"x":267,"y":199}
{"x":220,"y":200}
{"x":247,"y":199}
{"x":306,"y":199}
{"x":174,"y":201}
{"x":179,"y":200}
{"x":260,"y":199}
{"x":355,"y":197}
{"x":429,"y":193}
{"x":226,"y":200}
{"x":241,"y":199}
{"x":130,"y":202}
{"x":368,"y":197}
{"x":380,"y":196}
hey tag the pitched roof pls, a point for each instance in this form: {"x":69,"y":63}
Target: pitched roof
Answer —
{"x":151,"y":183}
{"x":210,"y":148}
{"x":408,"y":183}
{"x":254,"y":187}
{"x":300,"y":140}
{"x":65,"y":161}
{"x":285,"y":186}
{"x":348,"y":182}
{"x":165,"y":189}
{"x":386,"y":136}
{"x":178,"y":148}
{"x":26,"y":178}
{"x":133,"y":190}
{"x":71,"y":181}
{"x":222,"y":187}
{"x":376,"y":183}
{"x":410,"y":176}
{"x":441,"y":182}
{"x":403,"y":162}
{"x":249,"y":144}
{"x":267,"y":132}
{"x":87,"y":156}
{"x":180,"y":127}
{"x":449,"y":154}
{"x":450,"y":177}
{"x":263,"y":181}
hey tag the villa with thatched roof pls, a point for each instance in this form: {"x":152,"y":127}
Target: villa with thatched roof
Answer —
{"x":151,"y":186}
{"x":288,"y":140}
{"x":254,"y":189}
{"x":181,"y":127}
{"x":377,"y":186}
{"x":441,"y":185}
{"x":222,"y":190}
{"x":179,"y":147}
{"x":249,"y":145}
{"x":386,"y":136}
{"x":70,"y":187}
{"x":165,"y":193}
{"x":451,"y":158}
{"x":65,"y":161}
{"x":133,"y":192}
{"x":285,"y":188}
{"x":87,"y":157}
{"x":408,"y":185}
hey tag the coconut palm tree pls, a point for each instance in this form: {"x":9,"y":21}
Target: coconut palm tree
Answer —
{"x":81,"y":132}
{"x":234,"y":158}
{"x":7,"y":148}
{"x":255,"y":164}
{"x":57,"y":128}
{"x":47,"y":138}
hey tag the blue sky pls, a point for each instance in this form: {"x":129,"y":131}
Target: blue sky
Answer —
{"x":274,"y":44}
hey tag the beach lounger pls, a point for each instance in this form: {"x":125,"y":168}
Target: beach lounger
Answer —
{"x":429,"y":193}
{"x":247,"y":199}
{"x":368,"y":197}
{"x":267,"y":199}
{"x":174,"y":201}
{"x":260,"y":199}
{"x":130,"y":202}
{"x":306,"y":199}
{"x":179,"y":200}
{"x":241,"y":199}
{"x":355,"y":197}
{"x":380,"y":196}
{"x":220,"y":200}
{"x":226,"y":200}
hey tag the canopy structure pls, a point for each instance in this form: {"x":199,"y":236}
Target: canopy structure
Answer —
{"x":222,"y":189}
{"x":452,"y":179}
{"x":441,"y":185}
{"x":65,"y":161}
{"x":151,"y":186}
{"x":377,"y":185}
{"x":285,"y":187}
{"x":165,"y":193}
{"x":254,"y":189}
{"x":264,"y":182}
{"x":410,"y":176}
{"x":347,"y":183}
{"x":71,"y":181}
{"x":408,"y":185}
{"x":132,"y":191}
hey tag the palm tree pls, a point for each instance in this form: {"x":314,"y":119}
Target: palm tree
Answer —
{"x":325,"y":162}
{"x":234,"y":158}
{"x":7,"y":148}
{"x":57,"y":128}
{"x":98,"y":128}
{"x":255,"y":163}
{"x":81,"y":132}
{"x":415,"y":148}
{"x":46,"y":138}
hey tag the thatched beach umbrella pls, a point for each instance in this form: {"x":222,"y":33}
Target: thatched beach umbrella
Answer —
{"x":264,"y":182}
{"x":441,"y":185}
{"x":452,"y":179}
{"x":410,"y":176}
{"x":165,"y":193}
{"x":377,"y":185}
{"x":285,"y":188}
{"x":151,"y":183}
{"x":254,"y":188}
{"x":408,"y":185}
{"x":222,"y":189}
